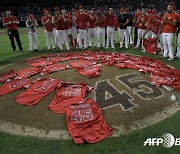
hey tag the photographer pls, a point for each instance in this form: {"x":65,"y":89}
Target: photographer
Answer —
{"x":32,"y":24}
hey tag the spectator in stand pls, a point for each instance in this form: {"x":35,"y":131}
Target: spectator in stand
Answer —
{"x":11,"y":22}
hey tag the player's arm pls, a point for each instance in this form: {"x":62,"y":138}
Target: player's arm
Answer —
{"x":55,"y":21}
{"x":16,"y":21}
{"x":160,"y":31}
{"x":146,"y":31}
{"x":29,"y":25}
{"x":45,"y":23}
{"x":6,"y":23}
{"x":36,"y":24}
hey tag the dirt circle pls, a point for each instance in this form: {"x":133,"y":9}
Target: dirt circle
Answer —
{"x":128,"y":101}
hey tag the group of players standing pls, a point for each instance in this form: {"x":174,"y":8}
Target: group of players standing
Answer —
{"x":82,"y":29}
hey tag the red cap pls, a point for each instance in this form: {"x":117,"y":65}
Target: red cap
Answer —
{"x":56,"y":8}
{"x":149,"y":11}
{"x":81,"y":7}
{"x":93,"y":9}
{"x":173,"y":5}
{"x":31,"y":17}
{"x":99,"y":11}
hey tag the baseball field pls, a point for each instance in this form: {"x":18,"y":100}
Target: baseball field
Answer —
{"x":131,"y":128}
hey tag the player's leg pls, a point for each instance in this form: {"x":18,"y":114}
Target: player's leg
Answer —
{"x":108,"y":36}
{"x":53,"y":39}
{"x":94,"y":31}
{"x":112,"y":37}
{"x":30,"y":42}
{"x":139,"y":36}
{"x":103,"y":36}
{"x":47,"y":35}
{"x":125,"y":31}
{"x":16,"y":34}
{"x":178,"y":46}
{"x":165,"y":45}
{"x":85,"y":38}
{"x":11,"y":37}
{"x":90,"y":37}
{"x":65,"y":36}
{"x":35,"y":39}
{"x":80,"y":38}
{"x":170,"y":38}
{"x":121,"y":37}
{"x":59,"y":36}
{"x":98,"y":36}
{"x":130,"y":40}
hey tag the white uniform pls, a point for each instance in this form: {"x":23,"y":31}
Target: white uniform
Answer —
{"x":123,"y":37}
{"x":178,"y":46}
{"x":56,"y":38}
{"x":50,"y":35}
{"x":101,"y":35}
{"x":110,"y":36}
{"x":32,"y":35}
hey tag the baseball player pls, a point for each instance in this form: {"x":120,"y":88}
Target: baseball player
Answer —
{"x":61,"y":23}
{"x":169,"y":21}
{"x":110,"y":20}
{"x":136,"y":15}
{"x":48,"y":25}
{"x":11,"y":22}
{"x":92,"y":28}
{"x":32,"y":24}
{"x":129,"y":27}
{"x":178,"y":39}
{"x":123,"y":22}
{"x":101,"y":24}
{"x":81,"y":22}
{"x":141,"y":21}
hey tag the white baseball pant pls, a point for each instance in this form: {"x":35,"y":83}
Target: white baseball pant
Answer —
{"x":168,"y":44}
{"x":82,"y":35}
{"x":32,"y":41}
{"x":62,"y":37}
{"x":178,"y":46}
{"x":56,"y":38}
{"x":140,"y":36}
{"x":130,"y":40}
{"x":49,"y":35}
{"x":74,"y":32}
{"x":101,"y":36}
{"x":92,"y":32}
{"x":110,"y":36}
{"x":123,"y":34}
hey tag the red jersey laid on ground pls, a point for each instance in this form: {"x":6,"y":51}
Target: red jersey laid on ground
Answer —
{"x":8,"y":76}
{"x":79,"y":64}
{"x":37,"y":91}
{"x":85,"y":122}
{"x":12,"y":19}
{"x":150,"y":45}
{"x":68,"y":93}
{"x":28,"y":72}
{"x":42,"y":63}
{"x":60,"y":59}
{"x":90,"y":71}
{"x":54,"y":68}
{"x":169,"y":28}
{"x":49,"y":25}
{"x":14,"y":85}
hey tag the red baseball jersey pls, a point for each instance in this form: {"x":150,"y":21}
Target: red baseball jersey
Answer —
{"x":92,"y":21}
{"x":28,"y":72}
{"x":49,"y":25}
{"x":90,"y":71}
{"x":8,"y":76}
{"x":169,"y":28}
{"x":141,"y":21}
{"x":42,"y":63}
{"x":14,"y":85}
{"x":111,"y":20}
{"x":79,"y":64}
{"x":85,"y":122}
{"x":54,"y":68}
{"x":101,"y":21}
{"x":37,"y":91}
{"x":12,"y":26}
{"x":81,"y":21}
{"x":60,"y":25}
{"x":68,"y":93}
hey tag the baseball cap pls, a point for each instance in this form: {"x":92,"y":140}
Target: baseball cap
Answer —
{"x":56,"y":8}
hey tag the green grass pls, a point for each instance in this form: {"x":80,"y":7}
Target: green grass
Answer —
{"x":125,"y":144}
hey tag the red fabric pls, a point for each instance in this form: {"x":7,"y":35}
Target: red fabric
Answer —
{"x":14,"y":85}
{"x":62,"y":23}
{"x":92,"y":21}
{"x":101,"y":21}
{"x":38,"y":90}
{"x":120,"y":65}
{"x":12,"y":26}
{"x":42,"y":63}
{"x":79,"y":64}
{"x":67,"y":94}
{"x":60,"y":59}
{"x":49,"y":25}
{"x":28,"y":72}
{"x":168,"y":28}
{"x":81,"y":21}
{"x":110,"y":20}
{"x":141,"y":21}
{"x":150,"y":45}
{"x":154,"y":27}
{"x":90,"y":71}
{"x":8,"y":76}
{"x":85,"y":122}
{"x":54,"y":68}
